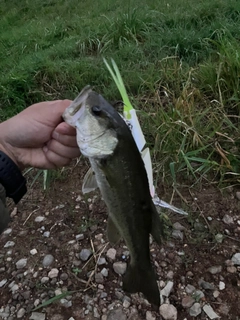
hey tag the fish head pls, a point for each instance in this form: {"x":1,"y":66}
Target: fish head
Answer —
{"x":93,"y":118}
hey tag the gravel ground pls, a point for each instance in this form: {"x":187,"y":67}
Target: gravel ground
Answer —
{"x":56,"y":246}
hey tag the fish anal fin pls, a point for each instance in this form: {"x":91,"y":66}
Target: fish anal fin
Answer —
{"x":89,"y":182}
{"x":112,"y":231}
{"x":142,"y":280}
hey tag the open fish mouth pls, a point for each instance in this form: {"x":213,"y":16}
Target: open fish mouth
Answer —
{"x":77,"y":107}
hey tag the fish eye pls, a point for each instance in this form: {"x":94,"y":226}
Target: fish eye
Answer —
{"x":96,"y":110}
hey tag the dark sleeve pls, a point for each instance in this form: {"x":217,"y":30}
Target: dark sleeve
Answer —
{"x":4,"y":213}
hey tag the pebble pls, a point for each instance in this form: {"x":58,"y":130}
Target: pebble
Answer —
{"x":64,"y":276}
{"x":47,"y":260}
{"x":85,"y":254}
{"x":104,"y":272}
{"x":216,"y":293}
{"x":120,"y":267}
{"x":66,"y":303}
{"x":221,"y":285}
{"x":126,"y":303}
{"x":37,"y":316}
{"x":46,"y":234}
{"x":9,"y":244}
{"x":116,"y":314}
{"x":232,"y":269}
{"x":206,"y":285}
{"x":178,"y":226}
{"x":167,"y":289}
{"x":33,"y":252}
{"x":7,"y":231}
{"x":190,"y":289}
{"x":111,"y":254}
{"x":3,"y":282}
{"x":53,"y":273}
{"x":198,"y":294}
{"x":149,"y":316}
{"x":195,"y":309}
{"x":21,"y":312}
{"x":168,"y":311}
{"x":101,"y":261}
{"x":236,"y":259}
{"x":177,"y":234}
{"x":20,"y":264}
{"x":209,"y":312}
{"x":219,"y":237}
{"x":215,"y":269}
{"x":44,"y":280}
{"x":79,"y":236}
{"x":238,"y":195}
{"x":227,"y":219}
{"x":99,"y":277}
{"x":187,"y":302}
{"x":39,"y":219}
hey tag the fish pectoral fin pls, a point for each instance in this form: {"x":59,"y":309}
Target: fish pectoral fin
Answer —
{"x":89,"y":182}
{"x":157,"y":227}
{"x":112,"y":231}
{"x":142,"y":280}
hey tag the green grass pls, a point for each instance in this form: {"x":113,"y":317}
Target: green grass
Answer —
{"x":179,"y":60}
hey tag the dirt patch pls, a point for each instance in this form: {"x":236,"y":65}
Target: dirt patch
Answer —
{"x":209,"y":240}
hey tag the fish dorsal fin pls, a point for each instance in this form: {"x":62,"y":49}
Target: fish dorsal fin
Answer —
{"x":112,"y":231}
{"x":89,"y":182}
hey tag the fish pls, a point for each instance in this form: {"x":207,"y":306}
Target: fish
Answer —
{"x":105,"y":139}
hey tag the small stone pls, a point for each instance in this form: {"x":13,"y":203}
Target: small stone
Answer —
{"x":33,"y":252}
{"x":104,"y":272}
{"x":198,"y":294}
{"x":7,"y":231}
{"x":99,"y":277}
{"x":66,"y":303}
{"x":216,"y":294}
{"x":9,"y":244}
{"x":206,"y":285}
{"x":215,"y":269}
{"x":221,"y":285}
{"x":47,"y":260}
{"x":85,"y":254}
{"x":64,"y":276}
{"x":219,"y":237}
{"x":195,"y":309}
{"x":170,"y":274}
{"x":79,"y":236}
{"x":232,"y":269}
{"x":111,"y":254}
{"x":46,"y":234}
{"x":26,"y":294}
{"x":238,"y":195}
{"x":20,"y":264}
{"x":190,"y":289}
{"x":177,"y":234}
{"x":21,"y":312}
{"x":149,"y":316}
{"x":39,"y":219}
{"x":209,"y":312}
{"x":236,"y":259}
{"x":126,"y":303}
{"x":120,"y":267}
{"x":178,"y":226}
{"x":37,"y":316}
{"x":53,"y":273}
{"x":168,"y":311}
{"x":96,"y":313}
{"x":116,"y":314}
{"x":101,"y":261}
{"x":44,"y":280}
{"x":187,"y":302}
{"x":3,"y":282}
{"x":14,"y":212}
{"x":227,"y":219}
{"x":167,"y":289}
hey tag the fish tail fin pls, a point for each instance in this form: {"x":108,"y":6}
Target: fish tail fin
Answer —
{"x":142,"y":280}
{"x":157,"y":230}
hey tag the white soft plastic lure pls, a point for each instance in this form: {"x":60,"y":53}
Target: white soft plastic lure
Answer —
{"x":130,"y":116}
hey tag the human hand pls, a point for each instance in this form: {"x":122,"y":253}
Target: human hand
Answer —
{"x":37,"y":136}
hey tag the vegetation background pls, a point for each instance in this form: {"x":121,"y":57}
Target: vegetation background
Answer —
{"x":179,"y":60}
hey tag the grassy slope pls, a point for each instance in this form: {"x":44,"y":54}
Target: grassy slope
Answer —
{"x":179,"y":60}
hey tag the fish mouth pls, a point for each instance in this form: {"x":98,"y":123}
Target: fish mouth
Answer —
{"x":77,"y":107}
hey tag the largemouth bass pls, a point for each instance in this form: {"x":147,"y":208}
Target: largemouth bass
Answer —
{"x":105,"y":139}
